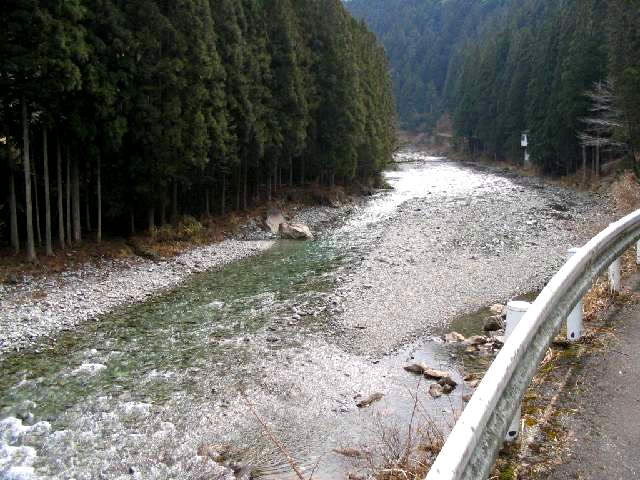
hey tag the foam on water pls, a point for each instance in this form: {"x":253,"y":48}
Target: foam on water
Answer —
{"x":16,"y":460}
{"x":89,"y":369}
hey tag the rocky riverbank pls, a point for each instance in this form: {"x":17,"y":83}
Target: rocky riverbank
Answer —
{"x":43,"y":306}
{"x":479,"y":236}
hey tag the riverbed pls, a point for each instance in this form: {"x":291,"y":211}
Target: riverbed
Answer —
{"x":292,"y":337}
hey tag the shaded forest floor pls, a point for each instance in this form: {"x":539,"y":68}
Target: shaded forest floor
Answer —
{"x":14,"y":267}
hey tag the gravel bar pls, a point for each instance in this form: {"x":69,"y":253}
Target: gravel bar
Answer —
{"x":43,"y":306}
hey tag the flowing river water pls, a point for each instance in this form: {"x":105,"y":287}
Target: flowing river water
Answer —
{"x":139,"y":392}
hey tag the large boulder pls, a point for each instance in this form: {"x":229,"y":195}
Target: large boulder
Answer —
{"x":295,"y":231}
{"x":273,"y":220}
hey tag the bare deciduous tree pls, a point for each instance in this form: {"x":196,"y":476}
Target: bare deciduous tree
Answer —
{"x":605,"y":129}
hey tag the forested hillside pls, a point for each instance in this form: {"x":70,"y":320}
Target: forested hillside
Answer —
{"x":126,"y":113}
{"x":568,"y":72}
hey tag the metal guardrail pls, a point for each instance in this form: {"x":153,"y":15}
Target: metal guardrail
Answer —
{"x":473,"y":445}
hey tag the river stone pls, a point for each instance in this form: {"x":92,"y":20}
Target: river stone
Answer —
{"x":273,"y":220}
{"x":295,"y":231}
{"x":448,"y":381}
{"x":418,"y":368}
{"x":435,"y":374}
{"x":435,"y":390}
{"x":493,"y":323}
{"x":368,"y":401}
{"x":447,"y":389}
{"x":454,"y":337}
{"x":241,"y":471}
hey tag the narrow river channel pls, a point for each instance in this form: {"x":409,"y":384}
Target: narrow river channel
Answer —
{"x":139,"y":392}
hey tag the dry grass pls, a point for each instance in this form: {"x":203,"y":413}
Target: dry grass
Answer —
{"x":598,"y":299}
{"x":393,"y":452}
{"x":626,"y":193}
{"x":402,"y":452}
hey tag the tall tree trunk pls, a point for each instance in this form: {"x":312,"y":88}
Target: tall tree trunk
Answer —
{"x":132,"y":221}
{"x":99,"y":198}
{"x":31,"y":249}
{"x":584,"y":164}
{"x":238,"y":186}
{"x":268,"y":186}
{"x":151,"y":219}
{"x":15,"y":236}
{"x":61,"y":239}
{"x":598,"y":161}
{"x":174,"y":204}
{"x":207,"y":206}
{"x":291,"y":171}
{"x":69,"y":235}
{"x":276,"y":178}
{"x":274,"y":172}
{"x":257,"y":195}
{"x":223,"y":196}
{"x":244,"y":184}
{"x":36,"y":199}
{"x":87,"y":198}
{"x":302,"y":172}
{"x":87,"y":211}
{"x":47,"y":200}
{"x":77,"y":225}
{"x":163,"y":211}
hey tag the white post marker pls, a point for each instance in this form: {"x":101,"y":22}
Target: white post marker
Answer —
{"x":574,"y":320}
{"x":515,"y":312}
{"x":638,"y":253}
{"x":615,"y":276}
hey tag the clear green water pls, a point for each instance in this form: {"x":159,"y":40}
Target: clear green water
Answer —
{"x":188,"y":328}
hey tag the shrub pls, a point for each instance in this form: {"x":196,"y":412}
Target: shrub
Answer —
{"x":188,"y":230}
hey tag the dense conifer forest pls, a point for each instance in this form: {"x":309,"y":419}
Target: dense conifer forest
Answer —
{"x":568,"y":72}
{"x":118,"y":115}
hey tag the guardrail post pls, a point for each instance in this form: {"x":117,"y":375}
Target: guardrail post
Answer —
{"x":574,"y":320}
{"x":615,"y":276}
{"x":515,"y":312}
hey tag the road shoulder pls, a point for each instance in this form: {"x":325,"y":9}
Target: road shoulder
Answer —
{"x":604,"y":432}
{"x":580,"y":416}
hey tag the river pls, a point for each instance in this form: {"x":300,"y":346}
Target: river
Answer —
{"x":294,"y":336}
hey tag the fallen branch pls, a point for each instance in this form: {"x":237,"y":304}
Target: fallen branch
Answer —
{"x":269,"y":433}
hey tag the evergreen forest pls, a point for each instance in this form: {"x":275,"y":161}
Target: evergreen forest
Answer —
{"x":567,"y":72}
{"x":118,"y":115}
